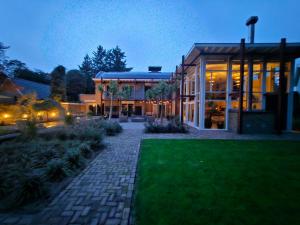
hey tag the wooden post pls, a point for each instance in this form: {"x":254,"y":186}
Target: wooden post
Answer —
{"x":241,"y":92}
{"x":281,"y":91}
{"x":182,"y":89}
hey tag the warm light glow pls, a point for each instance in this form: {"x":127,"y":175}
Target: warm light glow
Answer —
{"x":53,"y":114}
{"x":39,"y":113}
{"x":24,"y":116}
{"x":68,"y":113}
{"x":6,"y":115}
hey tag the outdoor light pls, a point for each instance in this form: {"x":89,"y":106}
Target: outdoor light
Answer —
{"x":68,"y":113}
{"x":39,"y":113}
{"x":24,"y":116}
{"x":53,"y":114}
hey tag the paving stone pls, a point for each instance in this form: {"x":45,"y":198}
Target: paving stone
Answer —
{"x":101,"y":193}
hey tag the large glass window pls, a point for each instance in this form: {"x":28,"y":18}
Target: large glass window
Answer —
{"x":215,"y":96}
{"x":272,"y":78}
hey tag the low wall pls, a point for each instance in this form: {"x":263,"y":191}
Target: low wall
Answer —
{"x":253,"y":122}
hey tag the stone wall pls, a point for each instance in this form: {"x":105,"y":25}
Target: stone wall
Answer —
{"x":253,"y":122}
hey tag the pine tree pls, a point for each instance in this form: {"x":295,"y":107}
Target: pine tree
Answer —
{"x":109,"y":60}
{"x":58,"y":83}
{"x":86,"y":69}
{"x":98,"y":60}
{"x":119,"y":62}
{"x":2,"y":56}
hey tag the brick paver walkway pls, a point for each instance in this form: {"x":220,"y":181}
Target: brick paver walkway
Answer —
{"x":101,"y":194}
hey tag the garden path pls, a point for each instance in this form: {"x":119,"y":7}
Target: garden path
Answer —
{"x":101,"y":194}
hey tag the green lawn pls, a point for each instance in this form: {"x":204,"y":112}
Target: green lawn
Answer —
{"x":218,"y":182}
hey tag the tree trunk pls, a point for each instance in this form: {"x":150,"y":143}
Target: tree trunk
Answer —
{"x":161,"y":113}
{"x":120,"y":108}
{"x":111,"y":105}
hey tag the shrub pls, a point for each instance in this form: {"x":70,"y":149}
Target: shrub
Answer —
{"x":89,"y":133}
{"x":4,"y":187}
{"x":74,"y":158}
{"x":56,"y":170}
{"x":32,"y":187}
{"x":95,"y":145}
{"x":28,"y":129}
{"x":171,"y":127}
{"x":69,"y":120}
{"x":85,"y":150}
{"x":112,"y":128}
{"x":62,"y":135}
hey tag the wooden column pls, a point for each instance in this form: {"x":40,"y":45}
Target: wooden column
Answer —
{"x":250,"y":83}
{"x":241,"y":92}
{"x":281,"y":91}
{"x":181,"y":89}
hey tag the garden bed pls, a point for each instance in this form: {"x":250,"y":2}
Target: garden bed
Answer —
{"x":38,"y":168}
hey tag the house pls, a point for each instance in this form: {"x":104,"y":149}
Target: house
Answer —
{"x":242,"y":87}
{"x":12,"y":88}
{"x":136,"y":104}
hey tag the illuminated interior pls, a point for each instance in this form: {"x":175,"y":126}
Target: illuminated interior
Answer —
{"x":221,"y":91}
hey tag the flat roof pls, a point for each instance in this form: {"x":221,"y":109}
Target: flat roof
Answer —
{"x":292,"y":50}
{"x":133,"y":75}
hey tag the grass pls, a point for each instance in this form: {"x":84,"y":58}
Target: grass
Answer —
{"x":218,"y":182}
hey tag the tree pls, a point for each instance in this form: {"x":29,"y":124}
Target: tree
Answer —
{"x":2,"y":55}
{"x":111,"y":91}
{"x":37,"y":76}
{"x":86,"y":69}
{"x":76,"y":84}
{"x":159,"y":93}
{"x":13,"y":66}
{"x":58,"y":83}
{"x":124,"y":94}
{"x":119,"y":62}
{"x":99,"y":63}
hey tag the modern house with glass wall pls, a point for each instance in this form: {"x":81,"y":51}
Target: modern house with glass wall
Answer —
{"x":243,"y":87}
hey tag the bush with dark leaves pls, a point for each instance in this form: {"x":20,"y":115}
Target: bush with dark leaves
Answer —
{"x":86,"y":150}
{"x":74,"y":159}
{"x":56,"y":170}
{"x":32,"y":187}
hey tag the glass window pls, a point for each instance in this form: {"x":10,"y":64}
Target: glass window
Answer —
{"x":257,"y":81}
{"x":257,"y":66}
{"x":215,"y":81}
{"x":222,"y":66}
{"x":215,"y":99}
{"x":236,"y":67}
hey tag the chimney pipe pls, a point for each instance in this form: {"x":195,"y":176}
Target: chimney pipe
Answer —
{"x":251,"y":22}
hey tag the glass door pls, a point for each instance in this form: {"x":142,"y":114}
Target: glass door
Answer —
{"x":215,"y":97}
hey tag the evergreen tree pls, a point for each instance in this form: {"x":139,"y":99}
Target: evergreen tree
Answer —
{"x":76,"y":84}
{"x":98,"y":59}
{"x":58,"y":83}
{"x":2,"y":56}
{"x":109,"y":60}
{"x":119,"y":62}
{"x":86,"y":69}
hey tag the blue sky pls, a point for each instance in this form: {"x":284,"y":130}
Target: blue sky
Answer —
{"x":47,"y":33}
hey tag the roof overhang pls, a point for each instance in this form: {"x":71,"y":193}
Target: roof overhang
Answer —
{"x":219,"y":50}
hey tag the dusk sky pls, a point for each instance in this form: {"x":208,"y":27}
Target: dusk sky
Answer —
{"x":47,"y":33}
